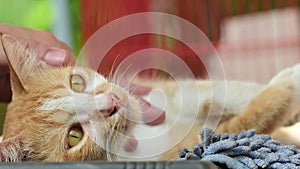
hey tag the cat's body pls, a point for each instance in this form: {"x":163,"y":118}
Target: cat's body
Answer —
{"x":49,"y":104}
{"x":267,"y":108}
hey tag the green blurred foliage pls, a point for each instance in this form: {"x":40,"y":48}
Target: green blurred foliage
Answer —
{"x":2,"y":115}
{"x":29,"y":13}
{"x":40,"y":16}
{"x":75,"y":24}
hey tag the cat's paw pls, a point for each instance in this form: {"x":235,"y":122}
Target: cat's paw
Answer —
{"x":288,"y":135}
{"x":287,"y":75}
{"x":289,"y":78}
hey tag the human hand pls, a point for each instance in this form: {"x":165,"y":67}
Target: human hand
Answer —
{"x":151,"y":114}
{"x":47,"y":47}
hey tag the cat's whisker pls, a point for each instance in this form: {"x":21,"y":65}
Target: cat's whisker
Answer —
{"x":132,"y":90}
{"x":106,"y":146}
{"x":118,"y":81}
{"x":110,"y":141}
{"x":122,"y":104}
{"x":110,"y":75}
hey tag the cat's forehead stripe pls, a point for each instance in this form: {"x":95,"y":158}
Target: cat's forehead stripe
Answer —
{"x":95,"y":81}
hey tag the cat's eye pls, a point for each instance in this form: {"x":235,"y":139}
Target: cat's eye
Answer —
{"x":74,"y":136}
{"x":77,"y":83}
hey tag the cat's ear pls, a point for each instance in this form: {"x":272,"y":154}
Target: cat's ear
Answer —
{"x":21,"y":62}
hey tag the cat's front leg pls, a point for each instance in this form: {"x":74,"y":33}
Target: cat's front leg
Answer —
{"x":264,"y":113}
{"x":271,"y":107}
{"x":291,"y":77}
{"x":288,"y":135}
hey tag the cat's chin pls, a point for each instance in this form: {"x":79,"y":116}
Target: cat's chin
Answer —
{"x":120,"y":121}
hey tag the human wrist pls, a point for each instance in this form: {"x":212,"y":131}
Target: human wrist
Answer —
{"x":5,"y":89}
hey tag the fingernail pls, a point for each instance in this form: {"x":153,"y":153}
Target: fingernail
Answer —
{"x":55,"y":56}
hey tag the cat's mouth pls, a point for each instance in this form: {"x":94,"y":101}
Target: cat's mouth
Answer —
{"x":110,"y":112}
{"x":113,"y":106}
{"x":114,"y":111}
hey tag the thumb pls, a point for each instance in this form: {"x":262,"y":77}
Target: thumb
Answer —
{"x":55,"y":56}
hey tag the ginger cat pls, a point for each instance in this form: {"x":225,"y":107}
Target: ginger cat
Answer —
{"x":75,"y":114}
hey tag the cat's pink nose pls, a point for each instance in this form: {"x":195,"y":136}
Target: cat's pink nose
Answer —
{"x":113,"y":105}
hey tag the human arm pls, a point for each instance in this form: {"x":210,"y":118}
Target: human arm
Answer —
{"x":48,"y":48}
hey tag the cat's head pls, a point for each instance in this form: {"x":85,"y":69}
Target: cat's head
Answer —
{"x":66,"y":113}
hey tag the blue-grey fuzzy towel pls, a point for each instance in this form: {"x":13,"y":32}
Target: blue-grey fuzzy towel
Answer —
{"x":246,"y":150}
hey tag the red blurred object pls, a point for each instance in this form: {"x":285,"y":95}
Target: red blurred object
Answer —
{"x":96,"y":14}
{"x":207,"y":15}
